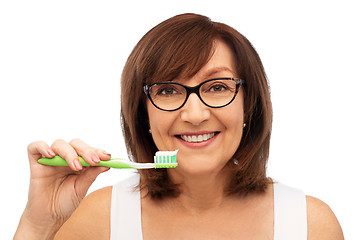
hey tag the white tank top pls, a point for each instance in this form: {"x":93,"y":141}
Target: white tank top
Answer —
{"x":290,"y":219}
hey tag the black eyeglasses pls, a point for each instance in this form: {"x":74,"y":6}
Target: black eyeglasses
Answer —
{"x":214,"y":93}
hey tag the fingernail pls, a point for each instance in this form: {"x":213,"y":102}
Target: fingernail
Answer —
{"x":77,"y":164}
{"x":106,"y":153}
{"x":95,"y":158}
{"x":51,"y":152}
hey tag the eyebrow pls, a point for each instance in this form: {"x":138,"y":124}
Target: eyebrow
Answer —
{"x":209,"y":73}
{"x":216,"y":70}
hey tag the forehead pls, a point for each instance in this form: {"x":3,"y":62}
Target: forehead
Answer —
{"x":221,"y":64}
{"x":221,"y":61}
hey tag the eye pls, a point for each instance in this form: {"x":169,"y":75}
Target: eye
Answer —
{"x":166,"y":91}
{"x":218,"y":88}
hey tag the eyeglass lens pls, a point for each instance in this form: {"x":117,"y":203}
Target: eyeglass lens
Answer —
{"x":214,"y":93}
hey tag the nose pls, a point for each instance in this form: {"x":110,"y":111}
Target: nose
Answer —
{"x":194,"y":111}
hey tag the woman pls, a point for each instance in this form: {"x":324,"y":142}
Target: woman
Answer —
{"x":197,"y":86}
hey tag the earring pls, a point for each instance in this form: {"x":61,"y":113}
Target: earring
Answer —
{"x":244,"y":125}
{"x":236,"y":162}
{"x":150,"y":131}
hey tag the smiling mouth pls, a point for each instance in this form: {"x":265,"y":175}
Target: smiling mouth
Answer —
{"x":197,"y":138}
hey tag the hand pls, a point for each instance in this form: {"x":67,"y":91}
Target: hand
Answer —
{"x":55,"y":192}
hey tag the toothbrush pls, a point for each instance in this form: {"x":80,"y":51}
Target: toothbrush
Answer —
{"x":162,"y":159}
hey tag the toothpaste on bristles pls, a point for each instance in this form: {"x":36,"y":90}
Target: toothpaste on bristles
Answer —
{"x":165,"y":159}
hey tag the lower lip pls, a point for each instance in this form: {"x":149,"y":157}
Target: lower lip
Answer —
{"x":198,"y":144}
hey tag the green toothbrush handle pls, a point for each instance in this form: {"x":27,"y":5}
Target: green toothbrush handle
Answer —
{"x":59,"y":161}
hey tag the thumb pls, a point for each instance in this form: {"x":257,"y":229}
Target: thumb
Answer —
{"x":86,"y":178}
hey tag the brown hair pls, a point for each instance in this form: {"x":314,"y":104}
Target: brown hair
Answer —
{"x":181,"y":46}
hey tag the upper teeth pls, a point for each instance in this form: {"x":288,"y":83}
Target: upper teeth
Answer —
{"x":197,"y":138}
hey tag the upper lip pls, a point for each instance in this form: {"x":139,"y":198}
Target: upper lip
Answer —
{"x":195,"y":133}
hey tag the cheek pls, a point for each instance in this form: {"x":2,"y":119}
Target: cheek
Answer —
{"x":157,"y":118}
{"x":236,"y":124}
{"x":236,"y":109}
{"x":235,"y":118}
{"x":160,"y":124}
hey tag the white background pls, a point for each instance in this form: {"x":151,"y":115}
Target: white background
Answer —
{"x":60,"y":65}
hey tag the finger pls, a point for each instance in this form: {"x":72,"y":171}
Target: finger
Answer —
{"x":39,"y":149}
{"x":103,"y":154}
{"x":89,"y":153}
{"x":66,"y":151}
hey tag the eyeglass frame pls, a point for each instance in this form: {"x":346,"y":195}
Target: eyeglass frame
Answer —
{"x":189,"y":90}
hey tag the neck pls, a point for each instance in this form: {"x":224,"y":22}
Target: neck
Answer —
{"x":201,"y":193}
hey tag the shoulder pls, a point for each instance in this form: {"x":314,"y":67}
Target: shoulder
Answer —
{"x":91,"y":220}
{"x":322,"y":222}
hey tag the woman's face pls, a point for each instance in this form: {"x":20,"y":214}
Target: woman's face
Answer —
{"x":223,"y":126}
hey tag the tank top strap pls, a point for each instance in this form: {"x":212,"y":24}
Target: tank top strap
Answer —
{"x":125,"y":221}
{"x":290,"y":217}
